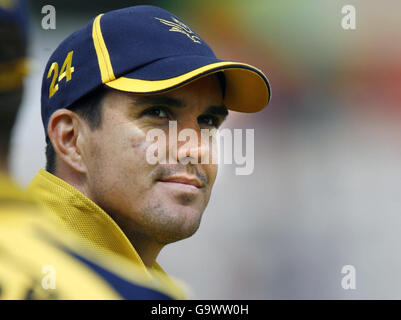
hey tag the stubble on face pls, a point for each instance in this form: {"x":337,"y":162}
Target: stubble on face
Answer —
{"x":128,"y":188}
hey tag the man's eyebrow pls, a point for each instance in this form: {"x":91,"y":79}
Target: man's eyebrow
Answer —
{"x":155,"y":100}
{"x":220,"y":110}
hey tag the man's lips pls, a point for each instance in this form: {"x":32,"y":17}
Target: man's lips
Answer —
{"x":192,"y":181}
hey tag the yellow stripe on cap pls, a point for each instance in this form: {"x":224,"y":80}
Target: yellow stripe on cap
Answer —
{"x":246,"y":89}
{"x":103,"y":57}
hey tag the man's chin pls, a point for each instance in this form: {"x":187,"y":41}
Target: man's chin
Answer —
{"x":178,"y":222}
{"x":171,"y":238}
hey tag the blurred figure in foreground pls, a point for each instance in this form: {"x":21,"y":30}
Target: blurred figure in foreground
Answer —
{"x":38,"y":260}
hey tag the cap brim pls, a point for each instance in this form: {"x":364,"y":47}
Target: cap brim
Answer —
{"x":247,"y":88}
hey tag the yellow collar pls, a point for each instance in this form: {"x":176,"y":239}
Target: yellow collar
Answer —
{"x":82,"y":216}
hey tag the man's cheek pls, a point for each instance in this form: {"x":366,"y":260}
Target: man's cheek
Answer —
{"x":137,"y":142}
{"x":136,"y":136}
{"x":212,"y":173}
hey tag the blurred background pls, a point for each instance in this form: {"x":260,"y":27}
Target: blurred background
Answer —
{"x":326,"y":189}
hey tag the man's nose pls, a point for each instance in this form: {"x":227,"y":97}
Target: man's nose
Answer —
{"x":191,"y":147}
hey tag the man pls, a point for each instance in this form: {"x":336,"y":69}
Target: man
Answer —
{"x":38,"y":260}
{"x":104,"y":89}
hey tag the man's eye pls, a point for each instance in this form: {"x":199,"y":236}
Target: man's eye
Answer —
{"x":156,"y":112}
{"x":209,"y":120}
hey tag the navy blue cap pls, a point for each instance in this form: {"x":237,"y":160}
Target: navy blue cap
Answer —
{"x":15,"y":12}
{"x":13,"y":64}
{"x":143,"y":50}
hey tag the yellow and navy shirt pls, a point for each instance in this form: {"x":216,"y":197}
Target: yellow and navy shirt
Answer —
{"x":97,"y":230}
{"x":40,"y":260}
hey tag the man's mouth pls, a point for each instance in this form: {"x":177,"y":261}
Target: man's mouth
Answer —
{"x":186,"y":180}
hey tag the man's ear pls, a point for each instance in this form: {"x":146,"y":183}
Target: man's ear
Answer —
{"x":64,"y":130}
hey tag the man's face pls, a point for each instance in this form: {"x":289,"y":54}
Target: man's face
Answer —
{"x":163,"y":202}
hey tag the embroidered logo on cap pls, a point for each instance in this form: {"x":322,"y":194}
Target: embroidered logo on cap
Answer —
{"x":178,"y":26}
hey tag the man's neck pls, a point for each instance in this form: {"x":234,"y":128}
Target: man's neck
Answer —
{"x":148,"y":249}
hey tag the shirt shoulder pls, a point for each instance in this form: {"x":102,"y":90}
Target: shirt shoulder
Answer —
{"x":41,"y":260}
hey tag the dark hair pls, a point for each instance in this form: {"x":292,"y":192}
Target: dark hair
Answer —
{"x":12,"y":49}
{"x":89,"y":108}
